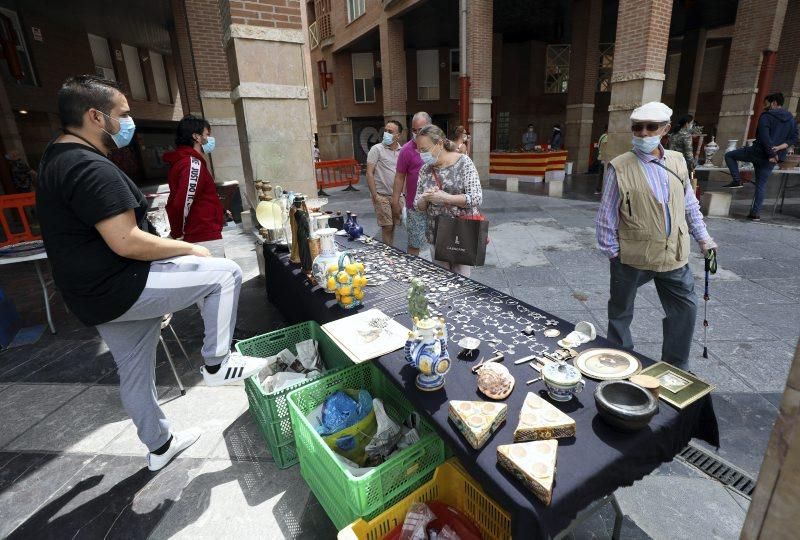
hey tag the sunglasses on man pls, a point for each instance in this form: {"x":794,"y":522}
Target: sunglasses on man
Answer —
{"x":647,"y":126}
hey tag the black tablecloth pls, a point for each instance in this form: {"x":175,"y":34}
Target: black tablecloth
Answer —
{"x":591,"y":465}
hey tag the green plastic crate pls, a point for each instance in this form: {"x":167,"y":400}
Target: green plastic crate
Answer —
{"x":271,"y":411}
{"x":345,"y":497}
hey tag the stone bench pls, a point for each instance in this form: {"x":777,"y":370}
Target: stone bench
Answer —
{"x":716,"y":203}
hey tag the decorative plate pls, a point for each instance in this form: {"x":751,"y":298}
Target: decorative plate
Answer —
{"x":607,"y":364}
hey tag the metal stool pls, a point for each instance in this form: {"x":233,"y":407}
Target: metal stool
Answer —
{"x":165,"y":323}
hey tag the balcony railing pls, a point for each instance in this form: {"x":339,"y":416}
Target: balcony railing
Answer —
{"x":313,"y":35}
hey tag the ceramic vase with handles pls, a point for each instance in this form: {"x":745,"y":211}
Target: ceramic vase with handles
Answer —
{"x":356,"y":231}
{"x":426,"y":350}
{"x":562,"y":380}
{"x":348,"y":277}
{"x":711,"y":148}
{"x":348,"y":222}
{"x":731,"y":145}
{"x":328,"y":257}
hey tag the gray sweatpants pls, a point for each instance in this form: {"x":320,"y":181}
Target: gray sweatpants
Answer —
{"x":676,"y":292}
{"x":173,"y":284}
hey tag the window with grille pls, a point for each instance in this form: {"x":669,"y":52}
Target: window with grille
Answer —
{"x":11,"y":32}
{"x":606,"y":67}
{"x":455,"y":70}
{"x":355,"y":9}
{"x":134,"y":68}
{"x":323,"y":98}
{"x":363,"y":77}
{"x":556,"y":75}
{"x":428,"y":75}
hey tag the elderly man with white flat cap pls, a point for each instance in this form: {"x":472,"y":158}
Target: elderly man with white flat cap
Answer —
{"x":647,"y":212}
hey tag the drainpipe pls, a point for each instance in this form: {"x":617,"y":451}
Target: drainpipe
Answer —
{"x":764,"y":86}
{"x":462,"y":50}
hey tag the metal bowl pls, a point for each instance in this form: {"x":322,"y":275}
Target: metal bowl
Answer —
{"x":624,"y":405}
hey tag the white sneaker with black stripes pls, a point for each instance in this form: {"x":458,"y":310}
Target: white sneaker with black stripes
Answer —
{"x":236,"y":367}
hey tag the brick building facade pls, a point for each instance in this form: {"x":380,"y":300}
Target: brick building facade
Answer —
{"x":342,"y":68}
{"x":616,"y":55}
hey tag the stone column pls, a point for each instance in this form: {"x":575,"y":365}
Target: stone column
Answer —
{"x":393,"y":72}
{"x":583,"y":66}
{"x":787,"y":72}
{"x":640,"y":53}
{"x":479,"y":70}
{"x":757,"y":29}
{"x":266,"y":61}
{"x":211,"y":69}
{"x":773,"y":511}
{"x":693,"y":50}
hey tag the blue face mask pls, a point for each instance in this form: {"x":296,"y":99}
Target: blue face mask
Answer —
{"x":211,"y":142}
{"x":428,"y":158}
{"x":124,"y":136}
{"x":646,"y":144}
{"x":388,"y":138}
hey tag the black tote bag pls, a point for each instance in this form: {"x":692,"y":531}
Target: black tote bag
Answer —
{"x":461,"y":240}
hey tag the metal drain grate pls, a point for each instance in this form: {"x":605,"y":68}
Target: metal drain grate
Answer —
{"x":719,"y":469}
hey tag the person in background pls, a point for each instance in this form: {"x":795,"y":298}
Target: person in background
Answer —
{"x":381,"y":170}
{"x":555,"y":138}
{"x":529,"y":138}
{"x":22,"y":176}
{"x":462,"y":140}
{"x":317,"y":158}
{"x":115,"y":274}
{"x":777,"y":131}
{"x":193,"y":207}
{"x":448,"y":185}
{"x":602,"y":157}
{"x":680,"y":140}
{"x":647,"y":213}
{"x":405,"y":180}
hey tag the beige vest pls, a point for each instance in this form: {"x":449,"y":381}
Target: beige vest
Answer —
{"x":643,"y":240}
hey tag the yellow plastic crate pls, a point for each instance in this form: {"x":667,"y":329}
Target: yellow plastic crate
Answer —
{"x":451,"y":485}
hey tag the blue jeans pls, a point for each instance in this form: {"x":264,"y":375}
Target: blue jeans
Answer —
{"x":763,"y":168}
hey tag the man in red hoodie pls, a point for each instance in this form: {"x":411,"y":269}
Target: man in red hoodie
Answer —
{"x":193,"y":208}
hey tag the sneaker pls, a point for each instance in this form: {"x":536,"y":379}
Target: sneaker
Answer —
{"x":234,"y":368}
{"x":753,"y":217}
{"x":733,"y":185}
{"x":181,"y":440}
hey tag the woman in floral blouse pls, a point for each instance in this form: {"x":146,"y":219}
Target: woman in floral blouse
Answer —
{"x":448,"y":185}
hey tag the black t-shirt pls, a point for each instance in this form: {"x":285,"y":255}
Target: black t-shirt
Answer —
{"x":79,"y":187}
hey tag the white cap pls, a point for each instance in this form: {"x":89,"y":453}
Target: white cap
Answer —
{"x":655,"y":111}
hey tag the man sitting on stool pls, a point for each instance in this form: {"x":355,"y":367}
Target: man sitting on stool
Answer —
{"x":646,"y":214}
{"x":777,"y":131}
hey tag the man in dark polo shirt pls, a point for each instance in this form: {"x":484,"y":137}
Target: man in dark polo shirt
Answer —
{"x":115,"y":274}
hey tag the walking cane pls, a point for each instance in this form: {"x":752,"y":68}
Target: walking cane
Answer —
{"x":710,"y":267}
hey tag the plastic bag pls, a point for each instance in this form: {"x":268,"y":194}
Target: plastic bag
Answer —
{"x":446,"y":533}
{"x":416,"y":523}
{"x":385,"y":440}
{"x":340,"y":411}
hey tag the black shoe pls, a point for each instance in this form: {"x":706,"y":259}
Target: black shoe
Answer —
{"x":753,"y":217}
{"x":733,"y":185}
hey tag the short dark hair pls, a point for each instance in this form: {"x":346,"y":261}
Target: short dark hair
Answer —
{"x":398,"y":124}
{"x":776,"y":97}
{"x":83,"y":92}
{"x":188,"y":126}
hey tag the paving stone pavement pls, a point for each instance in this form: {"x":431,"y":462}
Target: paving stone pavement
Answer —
{"x":70,"y":460}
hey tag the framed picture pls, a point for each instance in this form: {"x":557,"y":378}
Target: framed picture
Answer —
{"x":677,"y":387}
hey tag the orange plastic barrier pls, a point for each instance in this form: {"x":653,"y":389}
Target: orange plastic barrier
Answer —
{"x":18,"y":204}
{"x":337,"y":173}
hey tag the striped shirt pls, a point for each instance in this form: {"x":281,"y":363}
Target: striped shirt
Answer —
{"x":607,"y":220}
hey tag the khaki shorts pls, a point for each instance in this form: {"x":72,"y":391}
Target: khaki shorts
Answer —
{"x":383,"y":210}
